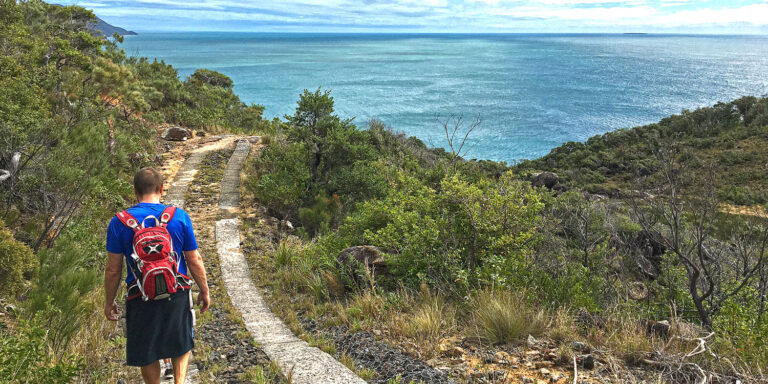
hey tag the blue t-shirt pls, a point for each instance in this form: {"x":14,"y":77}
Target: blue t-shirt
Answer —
{"x":120,"y":237}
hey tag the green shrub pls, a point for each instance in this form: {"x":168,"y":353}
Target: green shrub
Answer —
{"x":742,"y":195}
{"x":321,"y":216}
{"x":17,"y":264}
{"x":66,"y":276}
{"x":25,"y":357}
{"x":280,"y":178}
{"x":735,"y":157}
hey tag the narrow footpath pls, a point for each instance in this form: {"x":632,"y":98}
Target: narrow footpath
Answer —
{"x":300,"y":363}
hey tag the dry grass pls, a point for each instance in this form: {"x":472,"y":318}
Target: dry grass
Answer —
{"x":101,"y":344}
{"x":563,"y":326}
{"x":502,"y":316}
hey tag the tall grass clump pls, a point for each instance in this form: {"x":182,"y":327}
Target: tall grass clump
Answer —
{"x":501,"y":316}
{"x":432,"y":317}
{"x":285,"y":253}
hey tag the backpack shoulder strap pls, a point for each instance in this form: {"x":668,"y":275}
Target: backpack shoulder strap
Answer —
{"x":167,"y":215}
{"x":128,"y":220}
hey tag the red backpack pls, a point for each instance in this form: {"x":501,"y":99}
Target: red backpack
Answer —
{"x":155,"y":264}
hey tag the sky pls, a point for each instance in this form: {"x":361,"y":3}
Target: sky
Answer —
{"x":437,"y":16}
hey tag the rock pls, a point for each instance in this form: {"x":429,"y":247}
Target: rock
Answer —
{"x":286,"y":226}
{"x":354,"y":261}
{"x":527,"y":380}
{"x":550,"y":180}
{"x":121,"y":381}
{"x":175,"y":133}
{"x":452,"y":352}
{"x":588,"y":362}
{"x":386,"y":361}
{"x":496,"y":375}
{"x":590,"y":320}
{"x":271,"y":222}
{"x":502,"y":357}
{"x":579,"y":346}
{"x":544,"y":372}
{"x":531,"y":341}
{"x":638,"y":291}
{"x":656,"y":328}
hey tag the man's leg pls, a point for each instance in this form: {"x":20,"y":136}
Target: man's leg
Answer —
{"x":151,"y":373}
{"x":180,"y":364}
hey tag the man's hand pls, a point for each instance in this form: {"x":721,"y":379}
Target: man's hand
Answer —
{"x":112,"y":275}
{"x":203,"y":301}
{"x":111,"y":311}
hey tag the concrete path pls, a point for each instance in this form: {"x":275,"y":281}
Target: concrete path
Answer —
{"x":299,"y":362}
{"x":176,"y":194}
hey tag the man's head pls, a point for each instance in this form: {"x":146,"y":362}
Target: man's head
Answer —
{"x":147,"y":181}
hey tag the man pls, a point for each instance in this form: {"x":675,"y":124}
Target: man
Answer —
{"x":155,"y":329}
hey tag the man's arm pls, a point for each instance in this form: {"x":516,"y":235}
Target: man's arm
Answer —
{"x":112,"y":274}
{"x":197,"y":270}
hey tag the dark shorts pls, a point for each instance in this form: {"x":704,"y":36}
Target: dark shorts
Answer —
{"x":158,"y":329}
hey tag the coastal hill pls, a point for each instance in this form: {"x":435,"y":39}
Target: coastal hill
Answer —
{"x":105,"y":29}
{"x":108,"y":29}
{"x":615,"y":260}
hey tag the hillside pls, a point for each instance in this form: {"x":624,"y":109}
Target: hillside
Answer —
{"x":729,"y":139}
{"x":402,"y":261}
{"x":108,"y":29}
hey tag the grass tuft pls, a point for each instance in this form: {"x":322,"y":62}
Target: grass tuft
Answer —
{"x":502,"y":316}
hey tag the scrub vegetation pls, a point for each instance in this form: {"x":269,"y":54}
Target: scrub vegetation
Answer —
{"x":658,"y":223}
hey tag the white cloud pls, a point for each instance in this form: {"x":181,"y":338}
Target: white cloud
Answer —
{"x":457,"y":15}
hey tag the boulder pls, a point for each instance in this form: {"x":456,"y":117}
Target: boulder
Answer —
{"x":286,"y":226}
{"x":550,"y":180}
{"x":174,"y":133}
{"x":656,"y":328}
{"x":588,"y":362}
{"x":354,"y":260}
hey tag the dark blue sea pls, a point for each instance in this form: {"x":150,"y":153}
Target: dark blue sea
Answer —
{"x":531,"y":92}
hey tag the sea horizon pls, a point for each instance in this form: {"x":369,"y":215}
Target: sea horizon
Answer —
{"x":532,"y":91}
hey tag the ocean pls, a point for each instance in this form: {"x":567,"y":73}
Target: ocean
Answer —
{"x":531,"y":92}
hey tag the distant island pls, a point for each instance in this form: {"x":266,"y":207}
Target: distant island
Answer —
{"x":635,"y":33}
{"x":108,"y":29}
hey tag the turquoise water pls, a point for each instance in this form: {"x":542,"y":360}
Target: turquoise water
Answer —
{"x":531,"y":92}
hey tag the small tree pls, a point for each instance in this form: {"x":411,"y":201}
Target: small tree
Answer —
{"x":684,"y":217}
{"x":457,"y":132}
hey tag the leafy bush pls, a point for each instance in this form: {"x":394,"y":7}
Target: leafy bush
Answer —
{"x":66,"y":277}
{"x":321,"y":216}
{"x":25,"y":356}
{"x":280,"y":178}
{"x":17,"y":263}
{"x":741,"y":195}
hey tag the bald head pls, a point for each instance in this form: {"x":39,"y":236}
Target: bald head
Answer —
{"x":147,"y":181}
